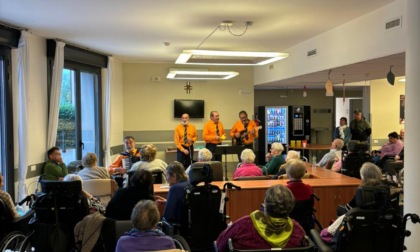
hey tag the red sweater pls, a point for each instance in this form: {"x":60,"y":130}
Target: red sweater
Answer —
{"x":300,"y":190}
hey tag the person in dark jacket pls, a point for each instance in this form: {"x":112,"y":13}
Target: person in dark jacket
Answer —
{"x":124,"y":200}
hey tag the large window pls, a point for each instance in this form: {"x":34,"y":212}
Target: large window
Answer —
{"x":6,"y":119}
{"x":79,"y":126}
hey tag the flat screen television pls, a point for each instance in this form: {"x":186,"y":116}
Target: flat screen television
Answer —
{"x":194,"y":108}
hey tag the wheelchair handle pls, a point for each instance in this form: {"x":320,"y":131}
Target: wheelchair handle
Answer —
{"x":28,"y":198}
{"x":229,"y":185}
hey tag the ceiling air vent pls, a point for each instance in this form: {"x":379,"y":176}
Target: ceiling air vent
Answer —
{"x":395,"y":23}
{"x":311,"y":53}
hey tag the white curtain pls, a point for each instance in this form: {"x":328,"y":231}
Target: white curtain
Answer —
{"x":107,"y":117}
{"x":23,"y":68}
{"x":55,"y":94}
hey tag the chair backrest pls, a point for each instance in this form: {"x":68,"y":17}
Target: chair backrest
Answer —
{"x":157,"y":176}
{"x":100,"y":188}
{"x":308,"y":247}
{"x":352,"y":162}
{"x":252,"y":178}
{"x":216,"y":167}
{"x":122,"y":226}
{"x":373,"y":226}
{"x":303,"y":212}
{"x":204,"y":221}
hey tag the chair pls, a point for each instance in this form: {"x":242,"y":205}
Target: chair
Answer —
{"x":216,"y":166}
{"x":252,"y":178}
{"x":352,"y":161}
{"x":102,"y":189}
{"x":157,"y":176}
{"x":309,"y":247}
{"x":373,"y":226}
{"x":304,"y":213}
{"x":202,"y":221}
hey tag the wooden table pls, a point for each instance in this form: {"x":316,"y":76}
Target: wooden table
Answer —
{"x":332,"y":188}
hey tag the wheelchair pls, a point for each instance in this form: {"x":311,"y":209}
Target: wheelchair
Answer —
{"x":304,"y":213}
{"x":203,"y":214}
{"x":15,"y":232}
{"x":373,"y":226}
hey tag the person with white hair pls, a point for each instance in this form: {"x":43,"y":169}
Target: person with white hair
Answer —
{"x":291,"y":155}
{"x":247,"y":168}
{"x":274,"y":158}
{"x":204,"y":155}
{"x":91,"y":170}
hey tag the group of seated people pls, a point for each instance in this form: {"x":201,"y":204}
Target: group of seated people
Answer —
{"x":268,"y":227}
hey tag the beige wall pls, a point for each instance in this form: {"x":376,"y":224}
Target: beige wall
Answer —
{"x":385,"y":108}
{"x":148,"y":105}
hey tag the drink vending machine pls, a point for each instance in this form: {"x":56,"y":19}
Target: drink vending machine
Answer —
{"x":282,"y":124}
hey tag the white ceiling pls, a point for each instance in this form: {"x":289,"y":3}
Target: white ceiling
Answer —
{"x":135,"y":30}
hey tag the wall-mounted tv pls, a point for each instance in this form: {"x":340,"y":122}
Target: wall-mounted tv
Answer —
{"x":194,"y":108}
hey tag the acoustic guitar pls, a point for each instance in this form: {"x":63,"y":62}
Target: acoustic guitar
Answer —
{"x":243,"y":134}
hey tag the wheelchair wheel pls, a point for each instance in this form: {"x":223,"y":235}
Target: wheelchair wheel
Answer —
{"x":12,"y":241}
{"x":181,"y":243}
{"x":27,"y":243}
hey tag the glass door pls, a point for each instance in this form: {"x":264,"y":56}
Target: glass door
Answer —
{"x":79,"y":120}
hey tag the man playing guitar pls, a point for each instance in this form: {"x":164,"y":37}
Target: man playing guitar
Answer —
{"x":244,"y":131}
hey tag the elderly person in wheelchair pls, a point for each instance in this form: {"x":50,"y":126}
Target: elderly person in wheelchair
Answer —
{"x":144,"y":236}
{"x":271,"y":228}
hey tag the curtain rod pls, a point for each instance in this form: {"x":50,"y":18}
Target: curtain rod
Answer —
{"x":13,"y":26}
{"x":82,"y":47}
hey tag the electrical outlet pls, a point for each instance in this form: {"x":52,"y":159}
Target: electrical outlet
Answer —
{"x":375,"y":141}
{"x":33,"y":168}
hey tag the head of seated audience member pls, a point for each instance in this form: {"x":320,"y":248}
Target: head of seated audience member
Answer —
{"x":292,"y":154}
{"x":247,"y":156}
{"x":370,"y":171}
{"x":270,"y":228}
{"x":142,"y":180}
{"x":204,"y":155}
{"x":89,"y":160}
{"x":276,"y":149}
{"x":75,"y":177}
{"x":175,"y":173}
{"x":148,"y":152}
{"x":144,"y":236}
{"x":295,"y":169}
{"x":337,"y":144}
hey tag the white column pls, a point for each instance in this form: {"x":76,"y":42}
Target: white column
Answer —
{"x":412,"y":133}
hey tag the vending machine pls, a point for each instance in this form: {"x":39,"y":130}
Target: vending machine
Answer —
{"x":282,"y":124}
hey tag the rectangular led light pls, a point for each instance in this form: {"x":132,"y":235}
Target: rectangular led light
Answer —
{"x":200,"y":75}
{"x":228,"y":58}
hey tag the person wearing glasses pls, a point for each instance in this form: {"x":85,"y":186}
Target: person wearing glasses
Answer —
{"x":131,"y":153}
{"x":54,"y":168}
{"x":275,"y":158}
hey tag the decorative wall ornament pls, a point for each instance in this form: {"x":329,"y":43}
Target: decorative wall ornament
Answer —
{"x":188,"y":87}
{"x":344,"y":89}
{"x":305,"y":91}
{"x":390,"y":76}
{"x":329,"y":88}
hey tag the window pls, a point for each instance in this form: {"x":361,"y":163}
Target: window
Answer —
{"x":6,"y":120}
{"x":80,"y":117}
{"x":79,"y":125}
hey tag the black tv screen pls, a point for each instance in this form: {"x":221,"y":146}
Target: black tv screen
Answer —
{"x":194,"y":108}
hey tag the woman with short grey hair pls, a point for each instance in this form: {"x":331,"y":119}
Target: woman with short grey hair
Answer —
{"x":247,"y":167}
{"x":271,"y":228}
{"x":275,"y":158}
{"x":144,"y":236}
{"x":91,"y":170}
{"x":148,"y":161}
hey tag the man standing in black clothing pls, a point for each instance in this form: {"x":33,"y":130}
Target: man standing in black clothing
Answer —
{"x":360,"y":127}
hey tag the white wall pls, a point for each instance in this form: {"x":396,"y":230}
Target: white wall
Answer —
{"x":359,"y":40}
